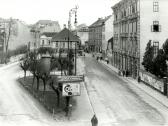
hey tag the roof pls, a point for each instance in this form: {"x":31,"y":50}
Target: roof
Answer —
{"x":49,"y":34}
{"x":100,"y":21}
{"x":63,"y":36}
{"x":45,"y":22}
{"x":111,"y":39}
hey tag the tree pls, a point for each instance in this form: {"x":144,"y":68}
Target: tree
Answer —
{"x":159,"y":64}
{"x":71,"y":62}
{"x":165,"y":48}
{"x":148,"y":58}
{"x":25,"y":66}
{"x":8,"y":31}
{"x":44,"y":50}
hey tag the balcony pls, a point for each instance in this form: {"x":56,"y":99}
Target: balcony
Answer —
{"x":135,"y":34}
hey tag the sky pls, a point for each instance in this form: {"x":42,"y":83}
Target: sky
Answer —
{"x":30,"y":11}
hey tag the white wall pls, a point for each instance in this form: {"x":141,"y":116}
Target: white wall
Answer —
{"x":108,"y":32}
{"x":147,"y":16}
{"x":20,"y":36}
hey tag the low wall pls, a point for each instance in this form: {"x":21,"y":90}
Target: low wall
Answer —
{"x":153,"y":81}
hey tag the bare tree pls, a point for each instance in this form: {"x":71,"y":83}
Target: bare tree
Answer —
{"x":8,"y":31}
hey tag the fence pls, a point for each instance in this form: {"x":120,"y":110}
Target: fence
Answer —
{"x":153,"y":81}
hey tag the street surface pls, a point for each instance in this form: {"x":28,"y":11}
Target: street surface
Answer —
{"x":114,"y":101}
{"x":119,"y":103}
{"x":17,"y":106}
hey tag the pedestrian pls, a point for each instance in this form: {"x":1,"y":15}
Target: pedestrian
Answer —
{"x":123,"y":73}
{"x":127,"y":73}
{"x":94,"y":120}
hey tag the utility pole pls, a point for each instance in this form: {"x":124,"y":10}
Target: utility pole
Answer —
{"x":72,"y":11}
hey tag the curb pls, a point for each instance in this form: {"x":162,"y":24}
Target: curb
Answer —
{"x":9,"y":65}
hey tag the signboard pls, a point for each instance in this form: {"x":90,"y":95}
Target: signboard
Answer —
{"x":69,"y":79}
{"x":71,"y":89}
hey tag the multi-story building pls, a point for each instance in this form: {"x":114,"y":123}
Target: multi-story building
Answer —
{"x":136,"y":22}
{"x":83,"y":33}
{"x":16,"y":32}
{"x":42,"y":26}
{"x":48,"y":26}
{"x":99,"y":34}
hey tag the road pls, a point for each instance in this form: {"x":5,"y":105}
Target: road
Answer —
{"x":17,"y":106}
{"x":119,"y":103}
{"x":115,"y":101}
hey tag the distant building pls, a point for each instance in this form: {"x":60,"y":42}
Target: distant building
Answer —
{"x":45,"y":39}
{"x":48,"y":26}
{"x":63,"y":40}
{"x":83,"y":33}
{"x":135,"y":23}
{"x":42,"y":26}
{"x":99,"y":34}
{"x":19,"y":33}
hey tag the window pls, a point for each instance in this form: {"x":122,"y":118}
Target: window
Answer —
{"x":42,"y":42}
{"x":63,"y":44}
{"x":56,"y":44}
{"x":155,"y":48}
{"x":156,"y":27}
{"x":155,"y":6}
{"x":133,"y":8}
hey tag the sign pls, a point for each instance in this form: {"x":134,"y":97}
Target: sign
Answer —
{"x":69,"y":79}
{"x":71,"y":89}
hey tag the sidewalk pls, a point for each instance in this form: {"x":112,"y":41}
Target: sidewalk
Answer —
{"x":10,"y":64}
{"x":148,"y":90}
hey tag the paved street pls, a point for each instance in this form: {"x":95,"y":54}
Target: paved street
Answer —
{"x":17,"y":106}
{"x":116,"y":102}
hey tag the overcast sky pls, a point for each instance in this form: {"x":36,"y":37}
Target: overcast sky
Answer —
{"x":31,"y":11}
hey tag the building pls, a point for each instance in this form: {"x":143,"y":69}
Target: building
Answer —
{"x":83,"y":33}
{"x":16,"y":31}
{"x":99,"y":34}
{"x":65,"y":40}
{"x":135,"y":23}
{"x":45,"y":39}
{"x":42,"y":26}
{"x":48,"y":26}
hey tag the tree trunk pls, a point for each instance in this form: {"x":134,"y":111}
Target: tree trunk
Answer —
{"x":24,"y":74}
{"x":44,"y":82}
{"x":33,"y":80}
{"x":37,"y":82}
{"x":57,"y":92}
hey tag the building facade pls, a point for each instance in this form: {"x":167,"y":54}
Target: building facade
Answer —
{"x":99,"y":34}
{"x":65,"y":40}
{"x":83,"y":33}
{"x":48,"y":26}
{"x":45,"y":39}
{"x":16,"y":31}
{"x":126,"y":40}
{"x":136,"y":22}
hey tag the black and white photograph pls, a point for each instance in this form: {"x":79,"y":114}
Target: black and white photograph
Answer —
{"x":83,"y":62}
